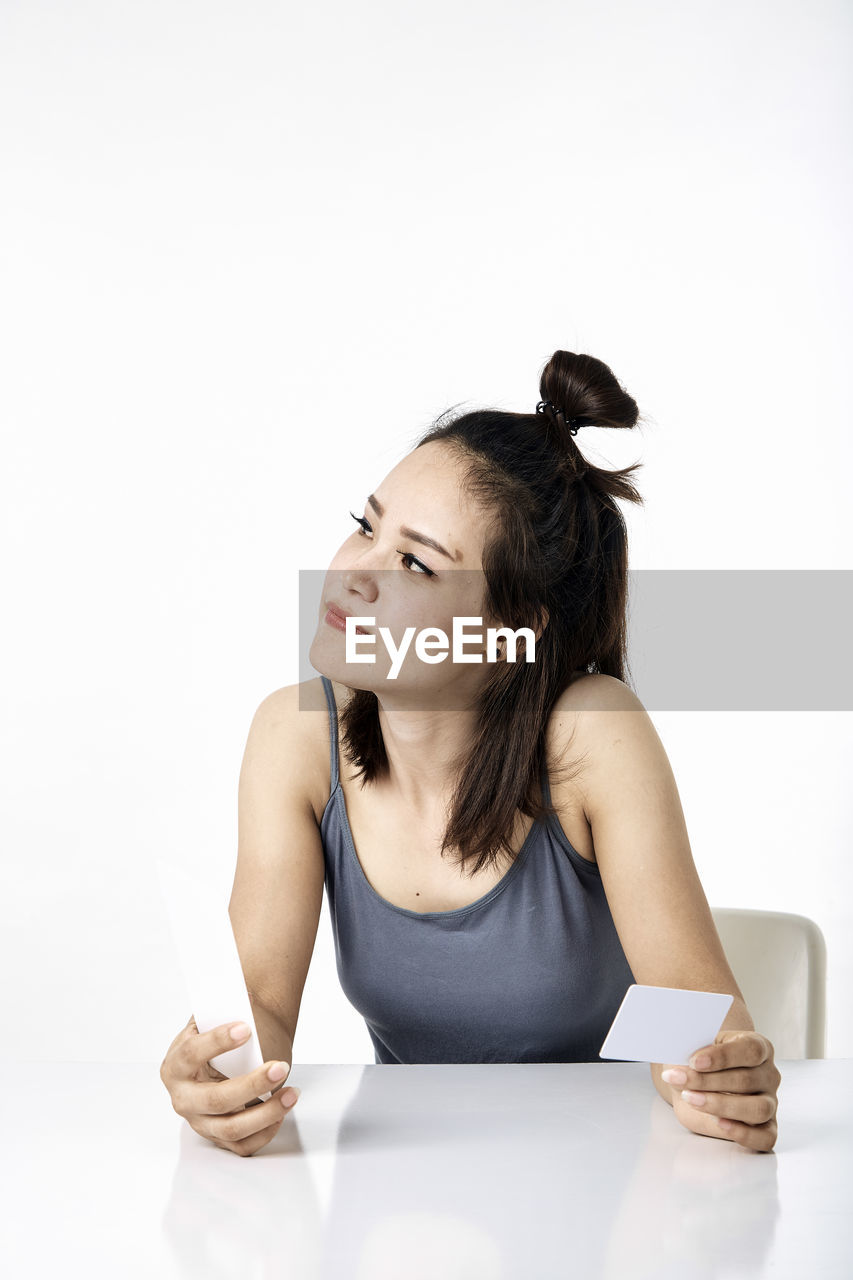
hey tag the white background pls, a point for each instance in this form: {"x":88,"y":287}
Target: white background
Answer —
{"x":249,"y":251}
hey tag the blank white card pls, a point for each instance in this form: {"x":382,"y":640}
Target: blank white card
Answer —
{"x":664,"y":1024}
{"x":207,"y":950}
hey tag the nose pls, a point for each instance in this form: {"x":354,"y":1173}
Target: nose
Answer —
{"x":360,"y":580}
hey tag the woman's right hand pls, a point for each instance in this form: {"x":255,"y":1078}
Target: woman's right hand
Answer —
{"x":226,"y":1111}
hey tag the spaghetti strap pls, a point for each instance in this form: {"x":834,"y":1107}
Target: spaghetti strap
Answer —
{"x":544,"y":967}
{"x":333,"y":732}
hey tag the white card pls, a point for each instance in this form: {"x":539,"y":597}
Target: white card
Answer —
{"x":664,"y":1024}
{"x":201,"y":929}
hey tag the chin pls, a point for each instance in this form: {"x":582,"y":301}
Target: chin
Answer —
{"x":327,"y":657}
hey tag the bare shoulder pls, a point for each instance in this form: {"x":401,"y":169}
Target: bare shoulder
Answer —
{"x":579,"y":708}
{"x":595,"y":692}
{"x":291,"y":729}
{"x":592,"y":713}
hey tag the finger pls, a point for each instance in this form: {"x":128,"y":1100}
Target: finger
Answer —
{"x":761,"y":1079}
{"x":191,"y":1096}
{"x":749,"y":1108}
{"x":695,"y":1120}
{"x":193,"y":1049}
{"x":185,"y":1031}
{"x":245,"y":1143}
{"x":755,"y":1137}
{"x":249,"y":1146}
{"x":233,"y":1128}
{"x":734,"y":1049}
{"x":219,"y":1097}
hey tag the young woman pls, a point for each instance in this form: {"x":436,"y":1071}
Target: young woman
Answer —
{"x":500,"y":834}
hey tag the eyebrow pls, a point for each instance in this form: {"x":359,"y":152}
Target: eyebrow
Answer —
{"x":412,"y":534}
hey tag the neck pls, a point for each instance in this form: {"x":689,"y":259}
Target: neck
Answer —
{"x":425,"y":750}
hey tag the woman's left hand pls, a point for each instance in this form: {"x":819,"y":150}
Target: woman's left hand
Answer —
{"x":730,"y":1090}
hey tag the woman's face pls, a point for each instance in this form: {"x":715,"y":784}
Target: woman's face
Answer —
{"x":412,"y":561}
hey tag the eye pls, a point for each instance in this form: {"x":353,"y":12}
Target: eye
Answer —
{"x":408,"y":559}
{"x":365,"y":527}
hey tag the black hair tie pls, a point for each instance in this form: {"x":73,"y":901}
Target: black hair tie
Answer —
{"x":572,"y":423}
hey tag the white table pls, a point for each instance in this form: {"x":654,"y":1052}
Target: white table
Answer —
{"x":475,"y":1172}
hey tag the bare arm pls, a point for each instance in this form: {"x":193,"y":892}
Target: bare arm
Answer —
{"x":278,"y":883}
{"x":642,"y":849}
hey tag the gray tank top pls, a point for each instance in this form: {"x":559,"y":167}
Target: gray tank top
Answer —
{"x":531,"y":972}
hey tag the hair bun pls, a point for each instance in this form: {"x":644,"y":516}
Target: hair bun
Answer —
{"x":580,"y":391}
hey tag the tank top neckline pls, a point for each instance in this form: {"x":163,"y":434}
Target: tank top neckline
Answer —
{"x":337,"y":796}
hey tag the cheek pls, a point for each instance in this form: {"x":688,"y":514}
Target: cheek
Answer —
{"x":432,"y":610}
{"x":401,"y":605}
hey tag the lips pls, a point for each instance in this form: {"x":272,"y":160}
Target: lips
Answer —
{"x":336,"y":617}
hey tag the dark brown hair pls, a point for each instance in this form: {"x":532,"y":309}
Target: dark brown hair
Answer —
{"x":560,"y":543}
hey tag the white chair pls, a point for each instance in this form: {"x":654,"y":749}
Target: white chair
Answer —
{"x":779,"y":963}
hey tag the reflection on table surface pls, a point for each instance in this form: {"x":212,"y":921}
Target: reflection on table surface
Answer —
{"x":481,"y":1172}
